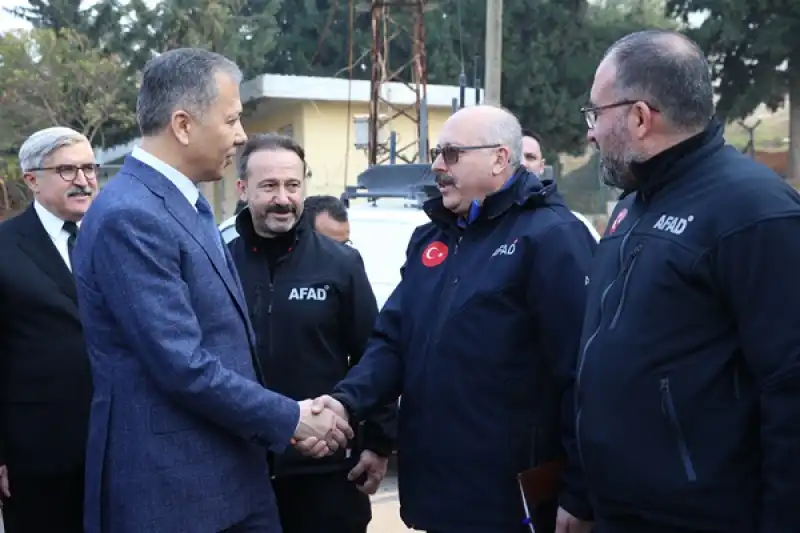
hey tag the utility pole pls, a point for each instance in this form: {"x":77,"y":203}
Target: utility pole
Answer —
{"x":493,"y":70}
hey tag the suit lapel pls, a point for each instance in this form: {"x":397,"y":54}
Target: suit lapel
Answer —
{"x":36,"y":243}
{"x":185,"y":214}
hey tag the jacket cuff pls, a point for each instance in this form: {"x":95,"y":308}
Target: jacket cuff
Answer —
{"x":577,"y":506}
{"x":375,"y":440}
{"x":344,"y":399}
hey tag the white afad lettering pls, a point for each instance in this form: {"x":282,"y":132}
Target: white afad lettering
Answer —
{"x":309,"y":293}
{"x":505,"y":249}
{"x":671,"y":224}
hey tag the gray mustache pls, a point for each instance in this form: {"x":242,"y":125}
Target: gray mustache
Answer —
{"x":79,"y":191}
{"x":442,"y":179}
{"x":280,"y":210}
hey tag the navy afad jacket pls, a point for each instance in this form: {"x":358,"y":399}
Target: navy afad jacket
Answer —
{"x":481,"y":339}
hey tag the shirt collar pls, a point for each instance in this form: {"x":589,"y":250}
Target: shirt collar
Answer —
{"x":183,"y":184}
{"x":53,"y":225}
{"x":475,"y":206}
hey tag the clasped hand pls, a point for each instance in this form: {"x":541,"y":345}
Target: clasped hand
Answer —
{"x":323,"y":427}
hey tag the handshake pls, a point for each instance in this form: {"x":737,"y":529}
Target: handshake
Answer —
{"x":323,"y":427}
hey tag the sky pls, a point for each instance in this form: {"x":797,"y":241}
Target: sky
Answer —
{"x":9,"y":22}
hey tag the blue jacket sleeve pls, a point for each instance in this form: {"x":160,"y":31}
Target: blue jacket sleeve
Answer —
{"x":377,"y":379}
{"x":559,"y":288}
{"x":379,"y":429}
{"x":137,"y":270}
{"x":756,"y":271}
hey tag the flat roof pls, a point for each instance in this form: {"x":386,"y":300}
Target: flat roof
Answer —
{"x":317,"y":88}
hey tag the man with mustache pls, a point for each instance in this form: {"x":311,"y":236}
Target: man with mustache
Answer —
{"x":688,"y":381}
{"x":480,"y":338}
{"x":45,"y":381}
{"x":312,"y":309}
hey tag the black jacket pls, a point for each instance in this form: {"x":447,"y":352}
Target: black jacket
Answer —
{"x":688,"y":383}
{"x":312,"y":317}
{"x":45,"y":378}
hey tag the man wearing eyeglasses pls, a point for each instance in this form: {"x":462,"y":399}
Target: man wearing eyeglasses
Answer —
{"x":480,"y":338}
{"x":688,"y":381}
{"x":45,"y":380}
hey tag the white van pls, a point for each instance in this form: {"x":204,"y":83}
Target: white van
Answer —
{"x":380,"y":231}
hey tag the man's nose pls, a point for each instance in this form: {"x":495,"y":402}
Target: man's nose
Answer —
{"x":281,"y":196}
{"x":80,"y":178}
{"x":438,"y":164}
{"x":241,"y":136}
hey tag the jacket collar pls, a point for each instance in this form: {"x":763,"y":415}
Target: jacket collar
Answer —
{"x":523,"y":188}
{"x":671,"y":165}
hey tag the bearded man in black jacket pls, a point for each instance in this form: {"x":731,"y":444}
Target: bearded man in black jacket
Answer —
{"x":312,"y":309}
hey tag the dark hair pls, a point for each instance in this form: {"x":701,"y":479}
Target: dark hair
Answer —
{"x":668,"y":71}
{"x":267,"y":142}
{"x":533,"y":135}
{"x":316,"y":205}
{"x":179,"y":79}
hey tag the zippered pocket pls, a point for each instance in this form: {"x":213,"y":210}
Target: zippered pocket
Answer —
{"x":668,"y":409}
{"x":626,"y":276}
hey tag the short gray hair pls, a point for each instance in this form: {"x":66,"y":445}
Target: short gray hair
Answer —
{"x":505,"y":129}
{"x":179,"y":79}
{"x":669,"y":72}
{"x":41,"y":144}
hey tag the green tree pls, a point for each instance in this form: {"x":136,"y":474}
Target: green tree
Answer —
{"x":223,"y":26}
{"x":49,"y":79}
{"x":550,"y":52}
{"x":754,"y":51}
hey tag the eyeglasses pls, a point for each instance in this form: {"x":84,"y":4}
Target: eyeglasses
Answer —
{"x":70,"y":172}
{"x":450,"y":153}
{"x":590,"y":113}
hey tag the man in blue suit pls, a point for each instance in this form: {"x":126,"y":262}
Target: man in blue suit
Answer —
{"x":180,"y":422}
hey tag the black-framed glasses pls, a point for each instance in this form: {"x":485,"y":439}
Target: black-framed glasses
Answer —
{"x":590,"y":113}
{"x":70,"y":172}
{"x":450,"y":153}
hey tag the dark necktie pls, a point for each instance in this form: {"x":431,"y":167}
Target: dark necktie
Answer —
{"x":71,"y":228}
{"x":208,"y":223}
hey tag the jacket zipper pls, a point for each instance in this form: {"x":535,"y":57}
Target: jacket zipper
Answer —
{"x":668,"y":408}
{"x":450,"y":286}
{"x":627,"y":273}
{"x":590,"y":340}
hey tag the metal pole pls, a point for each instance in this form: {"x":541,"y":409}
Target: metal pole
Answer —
{"x":494,"y":51}
{"x":423,"y":130}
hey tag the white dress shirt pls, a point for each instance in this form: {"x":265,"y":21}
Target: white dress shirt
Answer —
{"x":187,"y":188}
{"x":54,"y":227}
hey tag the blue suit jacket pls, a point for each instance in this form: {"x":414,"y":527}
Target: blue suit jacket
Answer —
{"x":179,"y":422}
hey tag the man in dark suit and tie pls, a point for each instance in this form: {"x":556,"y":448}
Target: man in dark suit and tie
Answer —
{"x":45,"y":380}
{"x":180,"y":419}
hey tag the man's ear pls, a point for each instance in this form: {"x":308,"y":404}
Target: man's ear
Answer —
{"x":31,"y":181}
{"x":501,"y":160}
{"x":241,"y":187}
{"x":181,"y":124}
